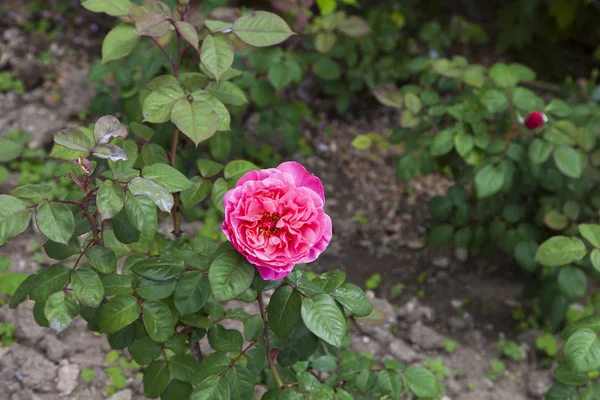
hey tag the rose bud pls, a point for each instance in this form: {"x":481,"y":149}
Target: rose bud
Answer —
{"x":535,"y":120}
{"x":275,"y":218}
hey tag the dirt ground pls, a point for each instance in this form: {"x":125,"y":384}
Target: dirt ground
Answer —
{"x":379,"y":227}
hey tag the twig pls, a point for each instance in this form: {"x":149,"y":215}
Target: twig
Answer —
{"x":263,"y":315}
{"x":176,"y":204}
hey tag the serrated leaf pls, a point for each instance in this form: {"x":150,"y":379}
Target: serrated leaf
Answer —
{"x":166,"y":176}
{"x":230,"y":275}
{"x":158,"y":268}
{"x":261,"y":28}
{"x":354,"y":299}
{"x":117,"y":313}
{"x":217,"y":54}
{"x":228,"y":93}
{"x":503,"y":76}
{"x":219,"y":189}
{"x":103,"y":259}
{"x":119,"y":42}
{"x":354,"y":27}
{"x":211,"y":388}
{"x":200,"y":189}
{"x":59,"y":310}
{"x":323,"y":317}
{"x":572,"y":282}
{"x":539,"y":151}
{"x":185,"y":368}
{"x":209,"y":168}
{"x":197,"y":120}
{"x":14,"y":217}
{"x":191,"y":292}
{"x":225,"y":340}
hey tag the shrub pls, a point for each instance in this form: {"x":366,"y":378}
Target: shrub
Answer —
{"x":157,"y":294}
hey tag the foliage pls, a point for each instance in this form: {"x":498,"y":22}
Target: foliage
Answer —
{"x":156,"y":293}
{"x":7,"y":334}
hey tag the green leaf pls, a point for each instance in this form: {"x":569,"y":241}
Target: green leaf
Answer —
{"x":354,"y":299}
{"x":155,"y":290}
{"x":595,"y":259}
{"x":60,"y":309}
{"x":115,"y":8}
{"x":261,"y":28}
{"x":440,"y":236}
{"x":421,"y":382}
{"x":235,"y":169}
{"x":74,"y":139}
{"x":440,"y":207}
{"x":33,"y":192}
{"x":123,"y":338}
{"x":591,"y":391}
{"x":241,"y":383}
{"x":442,"y":142}
{"x":185,"y":368}
{"x":103,"y":259}
{"x":558,"y":391}
{"x":22,"y":291}
{"x":582,"y":351}
{"x":156,"y":377}
{"x":9,"y":150}
{"x":141,"y":213}
{"x":322,"y":316}
{"x":219,"y":108}
{"x":503,"y":76}
{"x":226,"y":340}
{"x":87,"y":287}
{"x":284,"y":311}
{"x":209,"y":168}
{"x":159,"y":320}
{"x":142,"y":131}
{"x":199,"y":190}
{"x":158,"y":268}
{"x":119,"y":42}
{"x":539,"y":151}
{"x":144,"y":350}
{"x":591,"y":232}
{"x":489,"y":180}
{"x":572,"y":282}
{"x":559,"y":107}
{"x":560,"y":250}
{"x":324,"y":42}
{"x":211,"y":388}
{"x":253,"y":327}
{"x":49,"y":280}
{"x":464,"y":144}
{"x":110,"y":199}
{"x":197,"y":120}
{"x":159,"y":195}
{"x":219,"y":189}
{"x":473,"y":75}
{"x":354,"y":27}
{"x":569,"y":161}
{"x":167,"y":176}
{"x":412,"y":102}
{"x":592,"y":322}
{"x":526,"y":100}
{"x":327,"y":69}
{"x":191,"y":292}
{"x":117,"y":313}
{"x":188,"y":32}
{"x":117,"y":284}
{"x":55,"y":221}
{"x":217,"y":54}
{"x":158,"y":105}
{"x":228,"y":93}
{"x":564,"y":375}
{"x":230,"y":275}
{"x":494,"y":100}
{"x":14,"y":217}
{"x":555,"y":220}
{"x":327,"y":363}
{"x":109,"y":152}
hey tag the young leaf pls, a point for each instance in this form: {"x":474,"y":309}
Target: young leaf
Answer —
{"x":108,"y":127}
{"x":141,"y":213}
{"x":14,"y":217}
{"x":354,"y":299}
{"x":159,"y":320}
{"x":200,"y":189}
{"x":119,"y":42}
{"x":167,"y":177}
{"x":110,"y":199}
{"x":87,"y":287}
{"x":116,"y":8}
{"x":55,"y":221}
{"x":74,"y":139}
{"x":117,"y":313}
{"x":230,"y":275}
{"x":217,"y":54}
{"x":156,"y":377}
{"x":155,"y":192}
{"x":60,"y":309}
{"x":188,"y":32}
{"x":560,"y":250}
{"x":157,"y":105}
{"x":191,"y":292}
{"x":154,"y":25}
{"x":262,"y":28}
{"x":322,"y":316}
{"x":197,"y":119}
{"x":109,"y":152}
{"x":284,"y":311}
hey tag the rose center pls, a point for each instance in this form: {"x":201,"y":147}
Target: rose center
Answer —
{"x":268,"y":224}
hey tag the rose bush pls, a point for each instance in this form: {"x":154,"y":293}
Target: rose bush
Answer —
{"x":275,"y":218}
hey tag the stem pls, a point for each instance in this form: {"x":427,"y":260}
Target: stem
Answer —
{"x":175,"y":66}
{"x":89,"y":217}
{"x":263,"y":315}
{"x":176,"y":198}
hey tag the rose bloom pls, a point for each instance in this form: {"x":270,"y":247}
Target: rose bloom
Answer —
{"x":535,"y":120}
{"x":275,"y":218}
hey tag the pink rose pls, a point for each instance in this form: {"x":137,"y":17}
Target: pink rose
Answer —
{"x":275,"y":218}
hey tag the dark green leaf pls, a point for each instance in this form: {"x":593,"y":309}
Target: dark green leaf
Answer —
{"x":87,"y":287}
{"x":60,"y":309}
{"x":284,"y":311}
{"x":354,"y":299}
{"x":103,"y":259}
{"x":48,"y":281}
{"x":230,"y":275}
{"x":323,"y":317}
{"x":191,"y":292}
{"x":159,"y":320}
{"x":55,"y":221}
{"x":118,"y":312}
{"x":156,"y":377}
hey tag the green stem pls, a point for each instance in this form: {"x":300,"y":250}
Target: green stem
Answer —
{"x":272,"y":366}
{"x":175,"y":212}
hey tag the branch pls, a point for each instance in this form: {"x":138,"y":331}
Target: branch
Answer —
{"x":263,"y":315}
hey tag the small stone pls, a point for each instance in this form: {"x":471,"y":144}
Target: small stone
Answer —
{"x":414,"y":311}
{"x":54,"y":348}
{"x":425,"y":337}
{"x":459,"y":323}
{"x":122,"y":395}
{"x":461,"y":255}
{"x":488,"y":383}
{"x":456,"y":304}
{"x":67,"y":377}
{"x":415,"y":244}
{"x":402,"y":352}
{"x":538,"y":383}
{"x":441,"y":262}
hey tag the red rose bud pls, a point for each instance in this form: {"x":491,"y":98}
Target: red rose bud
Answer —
{"x":535,"y":120}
